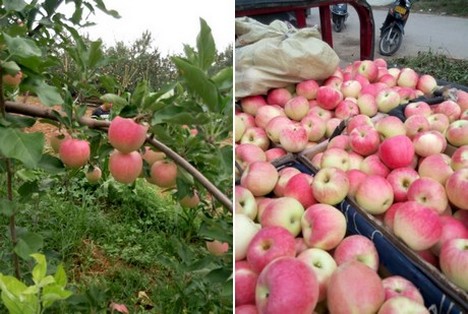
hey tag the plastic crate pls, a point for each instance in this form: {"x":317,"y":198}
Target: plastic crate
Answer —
{"x":440,"y":295}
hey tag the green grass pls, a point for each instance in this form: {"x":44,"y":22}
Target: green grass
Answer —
{"x":128,"y":245}
{"x":439,"y":66}
{"x":449,"y":7}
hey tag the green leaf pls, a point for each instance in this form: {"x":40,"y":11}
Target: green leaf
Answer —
{"x":20,"y":121}
{"x":100,"y":4}
{"x":223,"y":79}
{"x":25,"y":147}
{"x":227,"y":289}
{"x":51,"y":164}
{"x":206,"y":46}
{"x":40,"y":269}
{"x":11,"y":67}
{"x":117,"y":102}
{"x":14,"y":5}
{"x":139,"y":94}
{"x":22,"y":47}
{"x":95,"y":55}
{"x":198,"y":83}
{"x":218,"y":275}
{"x":28,"y":188}
{"x":214,"y":230}
{"x":178,"y":115}
{"x":28,"y":243}
{"x":51,"y":5}
{"x":7,"y":207}
{"x":48,"y":95}
{"x":13,"y":298}
{"x":60,"y":276}
{"x":53,"y":293}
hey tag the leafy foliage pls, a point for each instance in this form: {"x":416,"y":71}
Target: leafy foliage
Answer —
{"x":53,"y":210}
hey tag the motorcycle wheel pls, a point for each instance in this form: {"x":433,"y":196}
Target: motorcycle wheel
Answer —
{"x":338,"y":25}
{"x":390,"y":41}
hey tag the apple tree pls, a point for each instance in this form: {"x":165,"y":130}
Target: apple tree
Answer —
{"x":189,"y":120}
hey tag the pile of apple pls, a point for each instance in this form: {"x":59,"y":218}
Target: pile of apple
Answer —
{"x":411,"y":174}
{"x":292,"y":259}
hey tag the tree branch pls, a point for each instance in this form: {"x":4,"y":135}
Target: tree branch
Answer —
{"x":47,"y":113}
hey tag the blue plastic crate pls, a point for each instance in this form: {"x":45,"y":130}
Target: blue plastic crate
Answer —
{"x":440,"y":295}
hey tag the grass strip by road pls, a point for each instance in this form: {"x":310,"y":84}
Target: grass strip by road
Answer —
{"x":438,"y":65}
{"x":446,"y":7}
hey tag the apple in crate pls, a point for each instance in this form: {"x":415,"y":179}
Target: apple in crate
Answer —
{"x":244,"y":230}
{"x":268,"y":244}
{"x":296,"y":108}
{"x":450,"y":109}
{"x":408,"y":78}
{"x":355,"y":288}
{"x":250,"y":104}
{"x":307,"y":88}
{"x":456,"y":187}
{"x":389,"y":126}
{"x":266,"y":113}
{"x":256,"y":136}
{"x":323,"y":265}
{"x":323,"y":226}
{"x":399,"y":286}
{"x":426,"y":83}
{"x":438,"y":122}
{"x":275,"y":153}
{"x":245,"y":202}
{"x":457,"y":133}
{"x":293,"y":138}
{"x":374,"y":194}
{"x":247,"y":153}
{"x":246,"y":309}
{"x":335,"y":157}
{"x":437,"y":167}
{"x":364,"y":140}
{"x":418,"y":107}
{"x":459,"y":158}
{"x":429,"y":142}
{"x":359,"y":248}
{"x":429,"y":193}
{"x":367,"y":105}
{"x":284,"y":175}
{"x":278,"y":96}
{"x":287,"y":285}
{"x":275,"y":125}
{"x":396,"y":151}
{"x":330,"y":185}
{"x":245,"y":283}
{"x":259,"y":177}
{"x":400,"y":179}
{"x":415,"y":124}
{"x":328,"y":97}
{"x":454,"y":261}
{"x":418,"y":226}
{"x":402,"y":305}
{"x":452,"y":228}
{"x":315,"y":127}
{"x":284,"y":212}
{"x":300,"y":188}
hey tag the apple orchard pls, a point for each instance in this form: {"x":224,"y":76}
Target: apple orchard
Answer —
{"x":127,"y":213}
{"x":390,"y":141}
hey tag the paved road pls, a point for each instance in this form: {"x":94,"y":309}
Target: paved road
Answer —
{"x":423,"y":32}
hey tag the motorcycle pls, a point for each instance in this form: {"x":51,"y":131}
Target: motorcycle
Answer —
{"x":393,"y":29}
{"x":339,"y":15}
